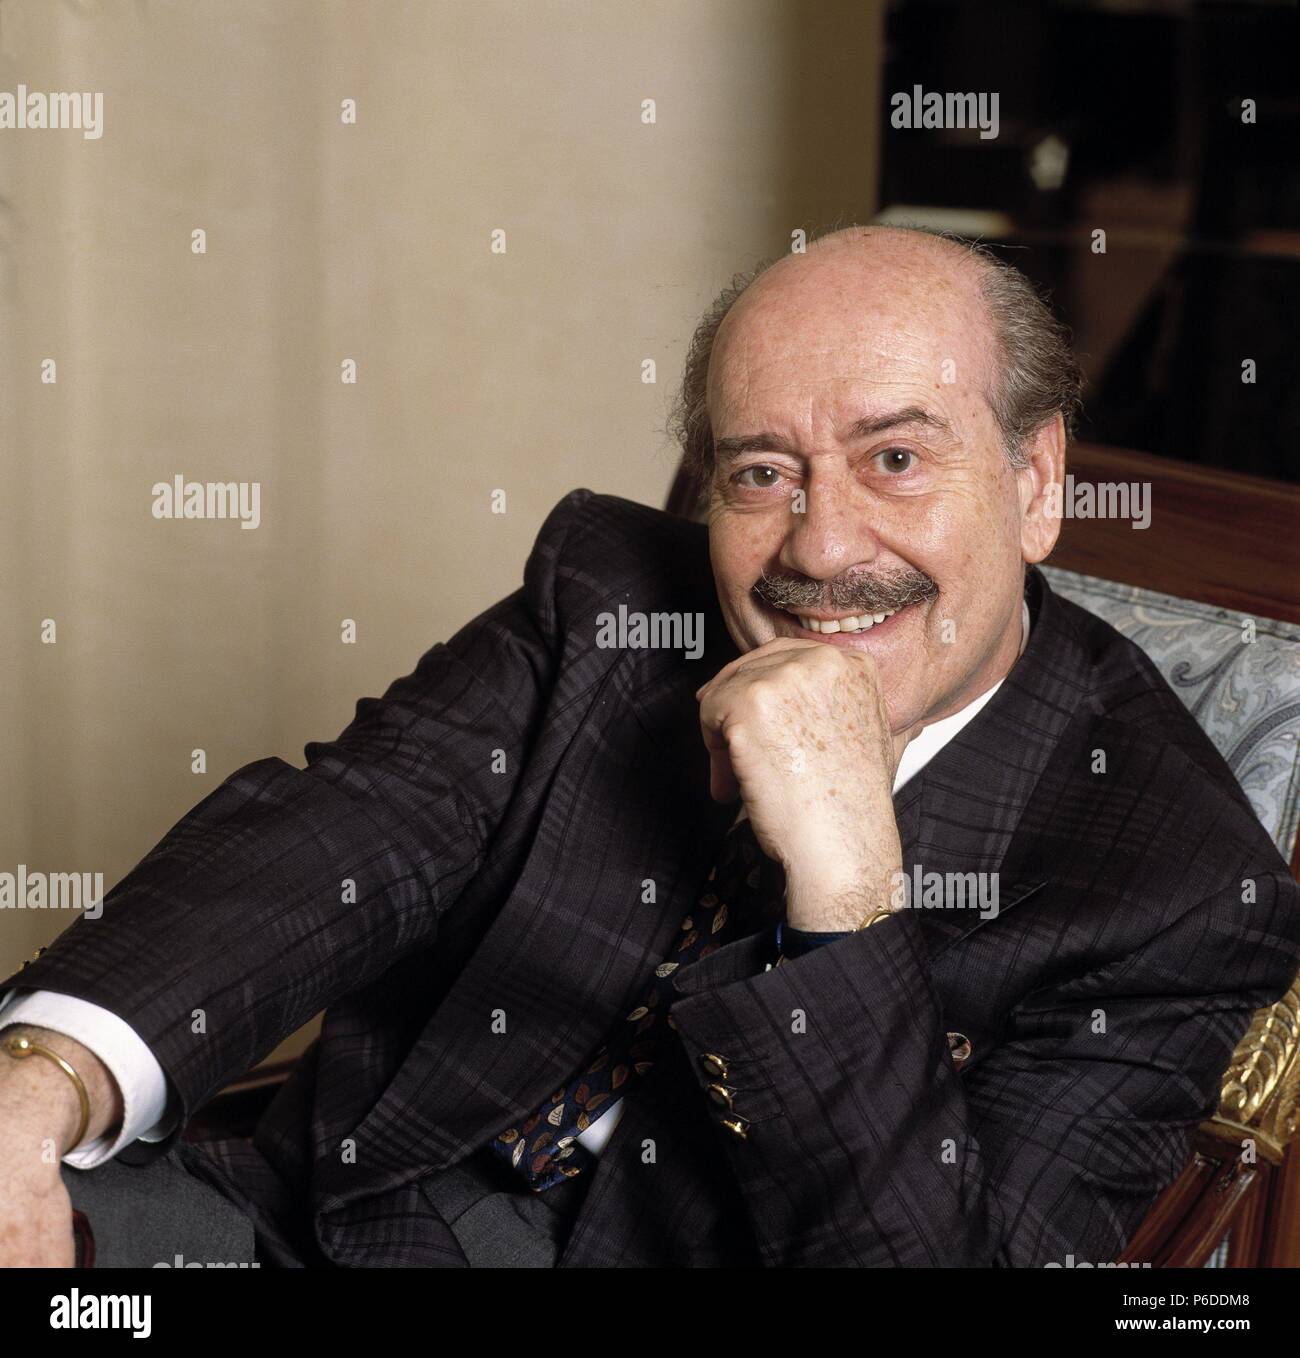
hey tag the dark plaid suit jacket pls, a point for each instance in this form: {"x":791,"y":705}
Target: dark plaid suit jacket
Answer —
{"x":499,"y":810}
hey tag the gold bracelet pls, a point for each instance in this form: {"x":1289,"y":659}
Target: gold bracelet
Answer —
{"x":20,"y":1048}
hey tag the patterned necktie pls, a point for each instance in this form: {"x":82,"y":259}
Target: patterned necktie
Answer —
{"x":737,"y":898}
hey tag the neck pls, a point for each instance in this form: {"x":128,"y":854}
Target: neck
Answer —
{"x":1009,"y":649}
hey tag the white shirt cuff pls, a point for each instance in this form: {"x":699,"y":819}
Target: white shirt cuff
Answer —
{"x":135,"y":1068}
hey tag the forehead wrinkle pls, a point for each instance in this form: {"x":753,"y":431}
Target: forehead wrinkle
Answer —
{"x":774,"y":347}
{"x":862,"y":400}
{"x":864,"y":426}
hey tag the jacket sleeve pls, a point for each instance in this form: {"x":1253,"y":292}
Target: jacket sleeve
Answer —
{"x":286,"y":888}
{"x":863,"y":1145}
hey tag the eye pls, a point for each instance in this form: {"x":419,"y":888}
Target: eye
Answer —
{"x":896,"y":460}
{"x":765,"y":477}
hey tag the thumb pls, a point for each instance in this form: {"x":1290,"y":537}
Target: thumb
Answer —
{"x":723,"y":784}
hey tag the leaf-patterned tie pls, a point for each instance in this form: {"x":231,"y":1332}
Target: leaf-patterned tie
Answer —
{"x":740,"y":895}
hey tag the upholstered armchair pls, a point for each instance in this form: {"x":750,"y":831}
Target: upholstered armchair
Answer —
{"x":1238,"y":1202}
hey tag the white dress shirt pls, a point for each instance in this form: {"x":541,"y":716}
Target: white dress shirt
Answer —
{"x":144,"y":1086}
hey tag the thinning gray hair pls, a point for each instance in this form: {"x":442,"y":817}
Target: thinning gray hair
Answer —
{"x":1037,"y":379}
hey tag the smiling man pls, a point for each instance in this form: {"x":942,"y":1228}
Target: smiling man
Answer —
{"x":621,"y":948}
{"x":869,"y":522}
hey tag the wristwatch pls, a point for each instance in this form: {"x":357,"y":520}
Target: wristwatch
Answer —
{"x":802,"y":947}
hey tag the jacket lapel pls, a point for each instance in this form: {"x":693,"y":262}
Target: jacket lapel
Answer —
{"x":960,"y":814}
{"x":626,"y":839}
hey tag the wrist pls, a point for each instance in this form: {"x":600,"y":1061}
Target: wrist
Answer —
{"x":38,"y":1108}
{"x":827,"y":897}
{"x":38,"y":1094}
{"x":817,"y":904}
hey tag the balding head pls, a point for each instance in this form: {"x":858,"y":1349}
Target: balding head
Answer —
{"x":1030,"y":372}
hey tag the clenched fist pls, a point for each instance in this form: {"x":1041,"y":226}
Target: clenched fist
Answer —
{"x":799,"y":730}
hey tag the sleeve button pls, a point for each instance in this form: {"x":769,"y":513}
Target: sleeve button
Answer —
{"x":714,"y":1065}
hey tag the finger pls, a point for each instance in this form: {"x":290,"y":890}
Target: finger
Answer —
{"x":723,"y":783}
{"x":724,"y":786}
{"x":760,"y":656}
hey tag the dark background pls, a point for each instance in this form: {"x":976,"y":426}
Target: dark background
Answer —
{"x":1128,"y":118}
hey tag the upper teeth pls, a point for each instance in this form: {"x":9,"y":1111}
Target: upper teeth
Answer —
{"x":846,"y":624}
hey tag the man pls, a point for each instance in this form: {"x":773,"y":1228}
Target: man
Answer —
{"x":632,"y":958}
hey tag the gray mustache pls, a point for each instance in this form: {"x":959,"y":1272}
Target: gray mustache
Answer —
{"x":883,"y":593}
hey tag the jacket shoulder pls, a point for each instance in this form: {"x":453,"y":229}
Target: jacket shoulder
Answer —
{"x":603,"y":549}
{"x":1169,"y":760}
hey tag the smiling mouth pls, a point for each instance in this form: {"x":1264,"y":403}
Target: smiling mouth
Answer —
{"x":850,"y":625}
{"x":860,"y":623}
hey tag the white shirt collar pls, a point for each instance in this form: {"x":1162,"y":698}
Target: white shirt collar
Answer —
{"x":929,"y":741}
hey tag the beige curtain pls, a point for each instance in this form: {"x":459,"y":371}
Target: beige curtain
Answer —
{"x":327,"y":241}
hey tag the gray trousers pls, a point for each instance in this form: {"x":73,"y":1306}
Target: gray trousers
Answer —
{"x":144,"y":1216}
{"x":147,"y":1216}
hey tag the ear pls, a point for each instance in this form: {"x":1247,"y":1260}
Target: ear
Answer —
{"x":1040,"y":483}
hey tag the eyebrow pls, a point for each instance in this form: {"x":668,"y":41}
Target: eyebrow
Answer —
{"x":868,"y":425}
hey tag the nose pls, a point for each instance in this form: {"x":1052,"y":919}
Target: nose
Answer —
{"x":833,"y":534}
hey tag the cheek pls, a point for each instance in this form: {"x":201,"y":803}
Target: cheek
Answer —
{"x":966,"y":529}
{"x":962,"y":543}
{"x":738,"y":551}
{"x":942,"y":542}
{"x":977,"y":565}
